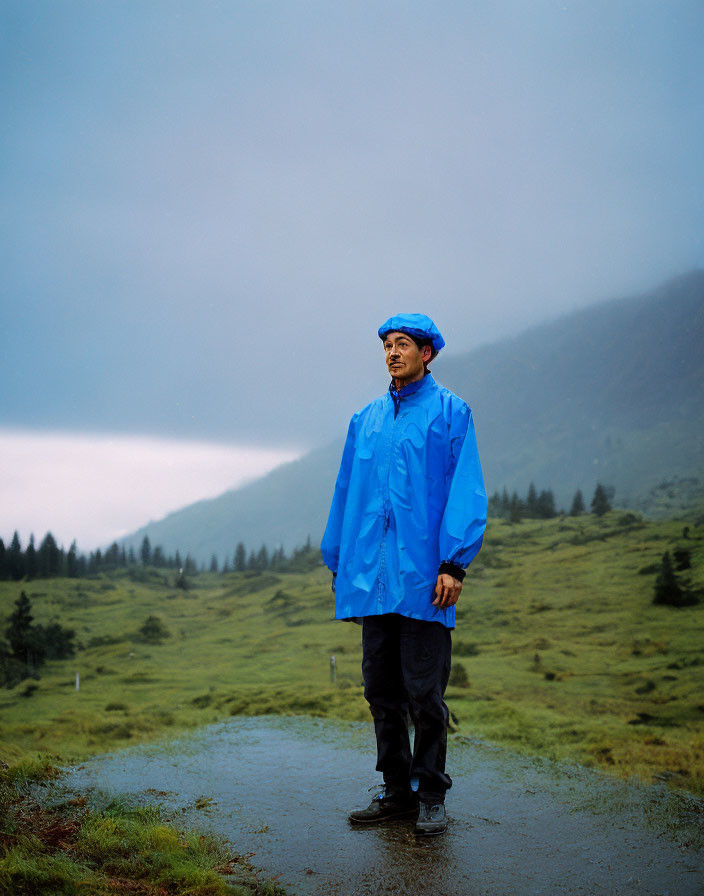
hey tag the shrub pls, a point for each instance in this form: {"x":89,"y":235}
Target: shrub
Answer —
{"x":153,"y":630}
{"x":683,"y":558}
{"x":465,"y":648}
{"x":458,"y":676}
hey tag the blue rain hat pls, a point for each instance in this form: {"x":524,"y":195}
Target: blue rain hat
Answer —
{"x":419,"y":326}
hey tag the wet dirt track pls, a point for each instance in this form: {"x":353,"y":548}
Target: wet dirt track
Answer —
{"x":281,"y":788}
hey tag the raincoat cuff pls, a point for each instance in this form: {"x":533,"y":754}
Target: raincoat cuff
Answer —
{"x":452,"y":569}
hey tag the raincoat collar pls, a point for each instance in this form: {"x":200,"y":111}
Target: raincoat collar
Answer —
{"x":396,"y":396}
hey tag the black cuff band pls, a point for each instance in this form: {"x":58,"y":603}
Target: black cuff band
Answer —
{"x":452,"y":570}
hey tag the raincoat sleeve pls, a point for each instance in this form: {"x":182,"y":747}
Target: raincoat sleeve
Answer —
{"x":464,"y":520}
{"x":330,"y":545}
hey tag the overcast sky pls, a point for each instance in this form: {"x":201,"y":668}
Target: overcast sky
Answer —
{"x":211,"y":206}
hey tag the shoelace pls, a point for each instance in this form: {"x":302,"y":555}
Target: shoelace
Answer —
{"x":380,"y":791}
{"x":435,"y":807}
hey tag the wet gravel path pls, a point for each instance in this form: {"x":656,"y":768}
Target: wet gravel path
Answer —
{"x":280,"y":788}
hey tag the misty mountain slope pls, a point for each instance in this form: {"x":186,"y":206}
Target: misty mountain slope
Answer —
{"x":613,"y":393}
{"x":284,"y":507}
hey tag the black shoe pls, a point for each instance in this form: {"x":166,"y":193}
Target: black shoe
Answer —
{"x":432,"y":819}
{"x":386,"y":805}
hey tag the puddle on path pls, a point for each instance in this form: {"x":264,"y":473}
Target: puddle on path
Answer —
{"x":281,"y":788}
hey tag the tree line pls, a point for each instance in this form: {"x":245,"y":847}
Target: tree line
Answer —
{"x":51,"y":561}
{"x":541,"y":505}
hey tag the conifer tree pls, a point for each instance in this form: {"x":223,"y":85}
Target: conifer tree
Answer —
{"x":49,"y":557}
{"x":532,"y":508}
{"x":21,"y":635}
{"x":213,"y":563}
{"x":97,"y":560}
{"x":545,"y":505}
{"x":112,"y":556}
{"x":14,"y":559}
{"x":145,"y":552}
{"x":600,"y":501}
{"x":189,"y":566}
{"x":278,"y":559}
{"x":81,"y":565}
{"x":3,"y":568}
{"x":72,"y":568}
{"x":158,"y":558}
{"x":263,"y":558}
{"x":240,"y":557}
{"x":20,"y":623}
{"x":577,"y":503}
{"x":31,"y":562}
{"x":667,"y":588}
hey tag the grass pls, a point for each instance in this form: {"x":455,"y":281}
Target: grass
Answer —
{"x":564,"y":654}
{"x":564,"y":651}
{"x":118,"y":848}
{"x":574,"y":661}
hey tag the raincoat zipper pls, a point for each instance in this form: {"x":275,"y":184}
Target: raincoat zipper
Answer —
{"x":396,"y":398}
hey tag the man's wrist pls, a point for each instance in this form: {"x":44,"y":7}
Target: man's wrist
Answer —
{"x":452,"y":569}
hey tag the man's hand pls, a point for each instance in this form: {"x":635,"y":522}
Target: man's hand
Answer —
{"x":447,"y":591}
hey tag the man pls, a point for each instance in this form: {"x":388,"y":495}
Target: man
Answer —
{"x":407,"y":517}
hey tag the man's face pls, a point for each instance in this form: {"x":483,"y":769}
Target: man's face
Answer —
{"x":404,"y":359}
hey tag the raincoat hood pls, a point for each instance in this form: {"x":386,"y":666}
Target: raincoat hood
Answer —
{"x":418,"y":325}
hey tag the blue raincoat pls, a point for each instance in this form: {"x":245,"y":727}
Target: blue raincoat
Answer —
{"x":409,"y":496}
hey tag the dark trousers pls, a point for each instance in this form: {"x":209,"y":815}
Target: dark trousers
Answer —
{"x":406,"y":665}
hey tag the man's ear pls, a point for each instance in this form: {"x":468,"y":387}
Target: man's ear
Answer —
{"x":427,"y":353}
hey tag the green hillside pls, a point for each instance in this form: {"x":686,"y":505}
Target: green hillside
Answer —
{"x":559,"y":652}
{"x":613,"y":393}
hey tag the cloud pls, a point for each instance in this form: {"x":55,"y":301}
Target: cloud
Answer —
{"x":210,"y":207}
{"x":96,"y":488}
